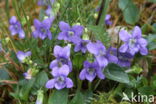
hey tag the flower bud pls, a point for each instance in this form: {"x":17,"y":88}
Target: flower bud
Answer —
{"x":39,"y":97}
{"x":95,"y":15}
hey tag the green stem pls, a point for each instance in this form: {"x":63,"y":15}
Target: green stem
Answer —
{"x":97,"y":84}
{"x":120,"y":86}
{"x":90,"y":86}
{"x":105,"y":4}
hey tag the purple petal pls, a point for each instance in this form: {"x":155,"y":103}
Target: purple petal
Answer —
{"x":74,"y":39}
{"x":21,"y":34}
{"x":78,"y":30}
{"x":59,"y":86}
{"x":28,"y":53}
{"x":35,"y":34}
{"x":48,"y":11}
{"x":143,"y":51}
{"x":13,"y":20}
{"x":132,"y":51}
{"x":42,"y":36}
{"x":77,"y":48}
{"x":70,"y":65}
{"x":137,"y":32}
{"x":49,"y":35}
{"x":123,"y":48}
{"x":55,"y":71}
{"x":124,"y":35}
{"x":47,"y":23}
{"x":64,"y":70}
{"x":108,"y":22}
{"x":50,"y":84}
{"x":53,"y":64}
{"x":13,"y":30}
{"x":66,"y":51}
{"x":57,"y":50}
{"x":112,"y":59}
{"x":92,"y":48}
{"x":142,"y":42}
{"x":64,"y":26}
{"x":62,"y":36}
{"x":108,"y":16}
{"x":37,"y":23}
{"x":100,"y":74}
{"x":90,"y":77}
{"x":86,"y":64}
{"x":69,"y":83}
{"x":124,"y":63}
{"x":82,"y":74}
{"x":20,"y":55}
{"x":102,"y":61}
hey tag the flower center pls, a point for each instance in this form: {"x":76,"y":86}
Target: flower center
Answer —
{"x":16,"y":27}
{"x":60,"y":79}
{"x":91,"y":71}
{"x":101,"y":53}
{"x":123,"y":58}
{"x":84,"y":43}
{"x":132,"y":42}
{"x":43,"y":30}
{"x":62,"y":61}
{"x":71,"y":33}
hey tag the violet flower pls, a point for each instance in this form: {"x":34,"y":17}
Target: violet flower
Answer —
{"x":133,"y":43}
{"x":99,"y":51}
{"x":60,"y":80}
{"x":22,"y":55}
{"x":62,"y":55}
{"x":124,"y":59}
{"x":68,"y":33}
{"x":49,"y":11}
{"x":43,"y":28}
{"x":16,"y":28}
{"x":90,"y":71}
{"x":111,"y":57}
{"x":81,"y":46}
{"x":27,"y":75}
{"x":107,"y":20}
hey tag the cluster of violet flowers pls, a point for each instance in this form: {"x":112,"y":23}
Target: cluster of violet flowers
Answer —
{"x":133,"y":44}
{"x":62,"y":65}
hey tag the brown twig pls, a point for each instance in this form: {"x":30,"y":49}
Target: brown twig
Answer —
{"x":8,"y":82}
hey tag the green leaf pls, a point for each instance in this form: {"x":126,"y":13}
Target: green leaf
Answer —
{"x":123,"y":4}
{"x":81,"y":97}
{"x":151,"y":41}
{"x":146,"y":90}
{"x":130,"y":11}
{"x":78,"y":98}
{"x":41,"y":79}
{"x":100,"y":34}
{"x":58,"y":97}
{"x":78,"y":60}
{"x":116,"y":73}
{"x":4,"y":74}
{"x":24,"y":91}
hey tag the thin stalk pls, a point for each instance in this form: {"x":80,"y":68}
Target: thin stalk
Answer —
{"x":25,"y":16}
{"x":7,"y":9}
{"x":97,"y":84}
{"x":102,"y":12}
{"x":16,"y":9}
{"x":90,"y":86}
